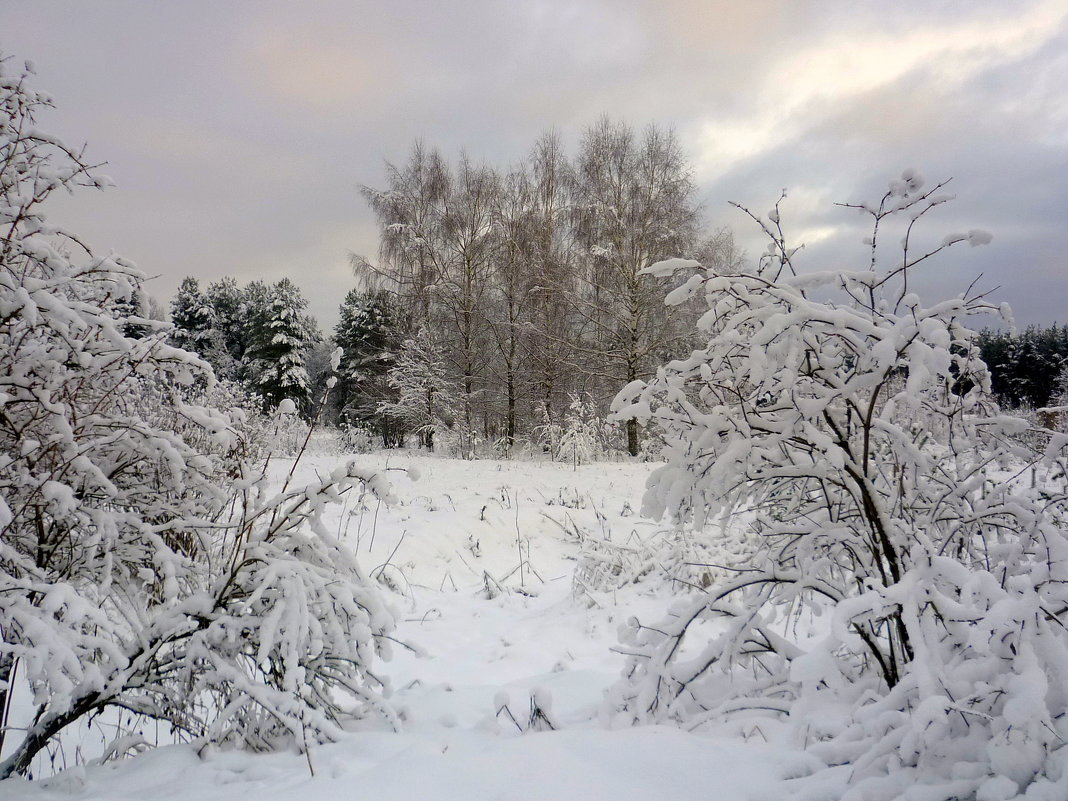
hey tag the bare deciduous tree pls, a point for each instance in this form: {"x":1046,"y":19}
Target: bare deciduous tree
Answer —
{"x":633,"y":205}
{"x":531,"y":280}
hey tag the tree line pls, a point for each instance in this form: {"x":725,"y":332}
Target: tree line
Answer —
{"x":258,"y":335}
{"x":499,"y":297}
{"x":515,"y":291}
{"x":1028,"y":368}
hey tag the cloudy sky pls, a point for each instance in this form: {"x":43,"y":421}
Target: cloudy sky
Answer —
{"x":239,"y":133}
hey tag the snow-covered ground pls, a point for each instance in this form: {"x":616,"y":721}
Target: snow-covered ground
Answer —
{"x":481,"y":560}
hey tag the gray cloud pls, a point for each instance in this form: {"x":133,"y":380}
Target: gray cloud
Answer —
{"x":240,"y":132}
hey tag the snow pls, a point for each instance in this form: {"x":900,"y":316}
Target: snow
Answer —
{"x":453,"y":538}
{"x":654,"y":762}
{"x":668,"y":267}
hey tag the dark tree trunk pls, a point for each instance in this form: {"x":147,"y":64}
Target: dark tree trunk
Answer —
{"x":632,"y":437}
{"x":7,"y":678}
{"x":510,"y":430}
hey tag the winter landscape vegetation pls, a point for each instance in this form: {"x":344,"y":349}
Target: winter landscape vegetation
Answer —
{"x":582,"y":489}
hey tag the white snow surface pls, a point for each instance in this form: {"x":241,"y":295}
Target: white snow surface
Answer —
{"x":460,"y":521}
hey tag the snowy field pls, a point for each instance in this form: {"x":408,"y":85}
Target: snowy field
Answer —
{"x":483,"y":561}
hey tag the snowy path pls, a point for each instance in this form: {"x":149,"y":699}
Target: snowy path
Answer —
{"x":459,"y":521}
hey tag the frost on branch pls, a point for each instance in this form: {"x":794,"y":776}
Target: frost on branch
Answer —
{"x":145,"y":564}
{"x":902,"y":608}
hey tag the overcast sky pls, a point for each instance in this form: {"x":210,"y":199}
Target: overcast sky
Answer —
{"x":239,"y":133}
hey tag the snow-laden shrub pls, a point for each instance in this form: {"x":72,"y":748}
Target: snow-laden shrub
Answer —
{"x":678,"y":558}
{"x":145,"y":564}
{"x":1044,"y":424}
{"x":849,"y":424}
{"x":548,"y":432}
{"x":581,"y":438}
{"x":356,"y":439}
{"x":288,"y":430}
{"x":254,"y":434}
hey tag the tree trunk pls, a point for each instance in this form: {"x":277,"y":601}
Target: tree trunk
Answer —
{"x":510,"y":425}
{"x":8,"y":668}
{"x":632,"y":374}
{"x":632,"y":437}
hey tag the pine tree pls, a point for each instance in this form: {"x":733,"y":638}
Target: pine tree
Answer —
{"x":253,"y":317}
{"x":133,"y":312}
{"x":278,"y":358}
{"x":227,"y":300}
{"x":367,"y":333}
{"x":191,"y":317}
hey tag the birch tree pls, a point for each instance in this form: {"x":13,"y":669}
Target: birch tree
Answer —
{"x":633,"y":205}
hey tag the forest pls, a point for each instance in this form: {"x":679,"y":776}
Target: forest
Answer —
{"x":506,"y":309}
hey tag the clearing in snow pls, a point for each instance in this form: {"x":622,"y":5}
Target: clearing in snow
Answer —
{"x":510,"y":580}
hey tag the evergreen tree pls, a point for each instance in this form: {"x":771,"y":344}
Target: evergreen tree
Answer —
{"x":132,"y":312}
{"x":253,"y":319}
{"x":227,"y":300}
{"x":280,"y":347}
{"x":1024,"y":366}
{"x":367,"y":334}
{"x":192,"y":319}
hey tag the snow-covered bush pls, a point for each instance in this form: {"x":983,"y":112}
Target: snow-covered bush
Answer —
{"x":582,"y":434}
{"x":548,"y":432}
{"x":356,"y":439}
{"x":145,"y":564}
{"x":254,"y":431}
{"x":538,"y":718}
{"x":677,"y":558}
{"x":1054,"y":418}
{"x":288,"y":430}
{"x":849,"y":424}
